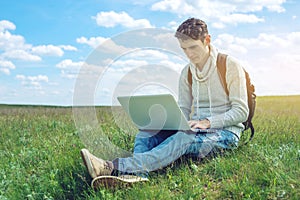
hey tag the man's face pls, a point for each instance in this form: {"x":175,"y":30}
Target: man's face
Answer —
{"x":195,"y":50}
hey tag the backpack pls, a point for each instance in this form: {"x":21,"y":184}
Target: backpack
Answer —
{"x":221,"y":66}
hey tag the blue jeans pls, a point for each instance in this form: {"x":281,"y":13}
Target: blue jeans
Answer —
{"x":153,"y":151}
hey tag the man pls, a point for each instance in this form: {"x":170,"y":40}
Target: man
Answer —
{"x":203,"y":101}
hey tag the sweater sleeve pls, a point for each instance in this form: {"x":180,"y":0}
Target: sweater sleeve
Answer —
{"x":238,"y":99}
{"x":185,"y":94}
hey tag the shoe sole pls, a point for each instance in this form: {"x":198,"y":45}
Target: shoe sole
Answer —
{"x":87,"y":162}
{"x":116,"y":181}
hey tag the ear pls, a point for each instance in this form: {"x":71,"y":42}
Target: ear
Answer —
{"x":207,"y":39}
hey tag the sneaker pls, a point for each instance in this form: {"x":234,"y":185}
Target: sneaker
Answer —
{"x":96,"y":166}
{"x":116,"y":181}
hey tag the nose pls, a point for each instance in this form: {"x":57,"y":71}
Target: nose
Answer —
{"x":188,"y":52}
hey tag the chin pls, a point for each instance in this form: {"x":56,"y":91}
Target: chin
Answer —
{"x":195,"y":62}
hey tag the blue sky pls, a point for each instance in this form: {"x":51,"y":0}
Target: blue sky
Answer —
{"x":44,"y":44}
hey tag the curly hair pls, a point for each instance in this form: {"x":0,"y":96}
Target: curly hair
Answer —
{"x":192,"y":28}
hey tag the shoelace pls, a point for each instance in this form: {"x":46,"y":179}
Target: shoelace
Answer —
{"x":107,"y":166}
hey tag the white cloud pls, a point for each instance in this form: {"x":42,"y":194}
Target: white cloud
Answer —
{"x":14,"y":47}
{"x":241,"y":18}
{"x":23,"y":77}
{"x":103,"y":45}
{"x":175,"y":66}
{"x":218,"y":25}
{"x":6,"y":66}
{"x":69,"y":64}
{"x":276,"y":7}
{"x":55,"y":92}
{"x":148,"y":54}
{"x":68,"y":47}
{"x":173,"y":6}
{"x":140,"y":71}
{"x":6,"y":25}
{"x":220,"y":12}
{"x":9,"y":41}
{"x":51,"y":50}
{"x":69,"y":69}
{"x":48,"y":50}
{"x":93,"y":42}
{"x":143,"y":58}
{"x":20,"y":54}
{"x":32,"y":81}
{"x":173,"y":25}
{"x":268,"y":43}
{"x":5,"y":71}
{"x":294,"y":38}
{"x":272,"y":60}
{"x":124,"y":66}
{"x":112,"y":19}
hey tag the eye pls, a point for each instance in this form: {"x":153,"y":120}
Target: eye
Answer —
{"x":193,"y":47}
{"x":183,"y":48}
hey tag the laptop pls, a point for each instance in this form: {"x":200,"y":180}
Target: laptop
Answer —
{"x":156,"y":112}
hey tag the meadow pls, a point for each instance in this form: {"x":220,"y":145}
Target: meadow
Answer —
{"x":40,"y":159}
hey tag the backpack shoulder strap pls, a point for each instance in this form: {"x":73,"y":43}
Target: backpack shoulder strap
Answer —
{"x":221,"y":66}
{"x":250,"y":125}
{"x":189,"y":77}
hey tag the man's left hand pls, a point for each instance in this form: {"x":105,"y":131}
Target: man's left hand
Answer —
{"x":202,"y":124}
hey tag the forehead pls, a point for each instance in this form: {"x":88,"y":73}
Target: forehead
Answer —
{"x":189,"y":42}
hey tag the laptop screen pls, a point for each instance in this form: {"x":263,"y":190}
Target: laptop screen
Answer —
{"x":154,"y":112}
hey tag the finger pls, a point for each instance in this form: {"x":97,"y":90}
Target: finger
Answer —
{"x":191,"y":123}
{"x":195,"y":125}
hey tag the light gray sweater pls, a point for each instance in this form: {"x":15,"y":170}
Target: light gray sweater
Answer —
{"x":207,"y":97}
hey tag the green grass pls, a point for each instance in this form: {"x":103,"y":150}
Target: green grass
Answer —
{"x":39,"y":159}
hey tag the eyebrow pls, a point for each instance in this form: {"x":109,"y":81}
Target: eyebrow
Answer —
{"x":190,"y":47}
